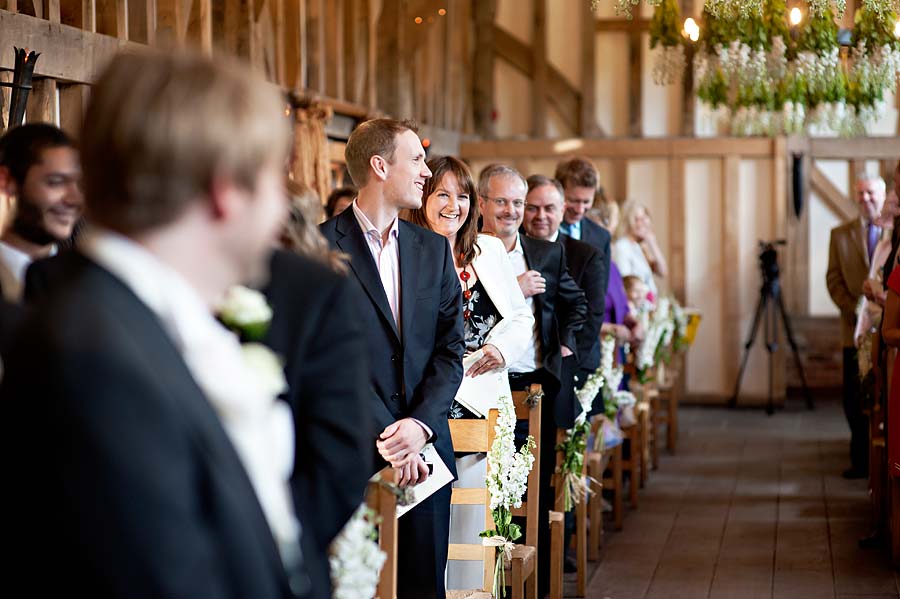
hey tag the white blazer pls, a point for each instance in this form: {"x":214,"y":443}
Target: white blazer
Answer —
{"x":513,"y":334}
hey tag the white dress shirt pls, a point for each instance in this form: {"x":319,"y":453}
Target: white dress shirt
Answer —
{"x":13,"y":264}
{"x":259,"y":426}
{"x":530,"y":360}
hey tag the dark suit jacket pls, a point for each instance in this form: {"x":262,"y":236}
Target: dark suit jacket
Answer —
{"x":598,"y":237}
{"x":414,"y":372}
{"x":562,"y":311}
{"x":316,"y":331}
{"x":119,"y":475}
{"x":588,"y":271}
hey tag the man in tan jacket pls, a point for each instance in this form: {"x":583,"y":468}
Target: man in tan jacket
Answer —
{"x":850,"y":252}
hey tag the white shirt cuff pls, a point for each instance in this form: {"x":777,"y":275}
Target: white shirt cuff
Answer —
{"x":428,"y":431}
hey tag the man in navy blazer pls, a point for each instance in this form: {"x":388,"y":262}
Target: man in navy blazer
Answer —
{"x":410,"y":307}
{"x":579,"y":180}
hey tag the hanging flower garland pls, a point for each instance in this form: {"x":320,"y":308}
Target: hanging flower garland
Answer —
{"x":765,"y":79}
{"x":506,"y":481}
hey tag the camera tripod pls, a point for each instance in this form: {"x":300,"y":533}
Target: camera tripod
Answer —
{"x":770,"y":301}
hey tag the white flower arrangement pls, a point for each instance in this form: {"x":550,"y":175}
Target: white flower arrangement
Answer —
{"x":507,"y":481}
{"x":668,"y":65}
{"x":356,"y":559}
{"x":246,"y":312}
{"x":733,"y":8}
{"x":659,"y":330}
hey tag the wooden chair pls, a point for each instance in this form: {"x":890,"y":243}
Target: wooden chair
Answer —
{"x":669,"y":387}
{"x":383,"y":501}
{"x":632,"y":464}
{"x":557,"y":535}
{"x":477,"y":435}
{"x":598,"y":463}
{"x":642,"y":411}
{"x":557,"y":557}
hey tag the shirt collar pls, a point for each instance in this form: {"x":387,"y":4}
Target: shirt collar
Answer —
{"x":16,"y":260}
{"x":517,"y":249}
{"x":368,"y":228}
{"x":555,"y":235}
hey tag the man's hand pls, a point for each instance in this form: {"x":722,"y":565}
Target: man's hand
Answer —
{"x":491,"y":360}
{"x":565,"y":352}
{"x":623,"y":333}
{"x":401,"y":442}
{"x":874,"y":291}
{"x":531,"y":283}
{"x":412,"y":473}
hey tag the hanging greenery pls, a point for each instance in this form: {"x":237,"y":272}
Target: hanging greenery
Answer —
{"x":769,"y":79}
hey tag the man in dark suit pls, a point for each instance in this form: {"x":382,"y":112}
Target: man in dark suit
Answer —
{"x":579,"y":180}
{"x":543,"y":215}
{"x":560,"y":311}
{"x":135,"y":438}
{"x":411,"y":316}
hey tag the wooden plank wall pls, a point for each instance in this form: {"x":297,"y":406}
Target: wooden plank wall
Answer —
{"x":329,"y":49}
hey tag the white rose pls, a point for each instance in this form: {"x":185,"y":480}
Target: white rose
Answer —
{"x":243,"y":306}
{"x":266,"y":366}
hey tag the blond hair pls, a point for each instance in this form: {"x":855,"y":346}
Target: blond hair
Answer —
{"x":301,"y":233}
{"x":160,"y":127}
{"x":628,"y":214}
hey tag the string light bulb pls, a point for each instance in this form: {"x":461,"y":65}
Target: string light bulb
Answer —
{"x":897,"y":29}
{"x":691,"y":29}
{"x":796,"y":16}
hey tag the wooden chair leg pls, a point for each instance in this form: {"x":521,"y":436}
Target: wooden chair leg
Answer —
{"x":633,"y":465}
{"x":655,"y":418}
{"x":557,"y":526}
{"x":518,"y":584}
{"x":531,"y":586}
{"x":581,"y":546}
{"x":595,"y":509}
{"x":672,"y":424}
{"x":618,"y":496}
{"x":895,"y":521}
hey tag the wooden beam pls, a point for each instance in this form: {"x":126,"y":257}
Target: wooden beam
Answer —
{"x":55,"y":42}
{"x":5,"y":77}
{"x":484,"y":14}
{"x":560,"y":92}
{"x":539,"y":70}
{"x":636,"y":84}
{"x":315,"y":36}
{"x":861,"y":148}
{"x":618,"y":188}
{"x":731,"y":240}
{"x":779,"y":231}
{"x":11,"y":5}
{"x":831,"y":196}
{"x":589,"y":125}
{"x":112,"y":18}
{"x":371,"y":55}
{"x":623,"y":25}
{"x":798,"y":242}
{"x":237,"y":27}
{"x":747,"y":147}
{"x":391,"y":60}
{"x":205,"y":26}
{"x":79,"y":13}
{"x":295,"y":44}
{"x":42,"y":103}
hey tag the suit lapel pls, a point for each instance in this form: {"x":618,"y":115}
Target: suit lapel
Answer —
{"x":491,"y":280}
{"x":533,"y":263}
{"x":410,"y":255}
{"x":352,"y":241}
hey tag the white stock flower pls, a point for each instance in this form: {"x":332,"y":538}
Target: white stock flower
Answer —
{"x":508,"y":469}
{"x":267,"y":367}
{"x":356,"y":559}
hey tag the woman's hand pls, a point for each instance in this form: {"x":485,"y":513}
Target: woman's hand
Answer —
{"x":491,"y":360}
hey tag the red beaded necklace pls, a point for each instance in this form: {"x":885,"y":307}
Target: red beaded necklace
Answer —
{"x":464,"y":276}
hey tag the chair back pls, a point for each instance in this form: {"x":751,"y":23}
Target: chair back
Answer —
{"x":382,"y":500}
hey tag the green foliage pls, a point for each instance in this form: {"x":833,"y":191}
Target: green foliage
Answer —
{"x":665,"y":26}
{"x":875,"y":29}
{"x":818,"y":33}
{"x":714,"y":89}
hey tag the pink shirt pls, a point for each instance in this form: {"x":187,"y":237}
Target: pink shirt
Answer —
{"x":387,"y":258}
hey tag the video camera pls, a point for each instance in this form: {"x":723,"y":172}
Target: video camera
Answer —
{"x":768,"y":260}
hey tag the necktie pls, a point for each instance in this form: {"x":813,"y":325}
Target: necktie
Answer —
{"x":872,"y":240}
{"x":565,"y":228}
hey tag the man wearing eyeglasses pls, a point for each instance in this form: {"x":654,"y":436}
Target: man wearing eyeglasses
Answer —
{"x":560,"y":312}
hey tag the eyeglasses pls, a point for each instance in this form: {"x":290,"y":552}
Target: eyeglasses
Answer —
{"x":504,"y":202}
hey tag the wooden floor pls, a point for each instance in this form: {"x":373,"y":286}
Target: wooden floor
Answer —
{"x":751,"y":506}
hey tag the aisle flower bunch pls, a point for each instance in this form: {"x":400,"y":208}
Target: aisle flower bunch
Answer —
{"x":356,"y":559}
{"x":573,"y":486}
{"x":658,"y":336}
{"x":614,"y":399}
{"x":506,"y":481}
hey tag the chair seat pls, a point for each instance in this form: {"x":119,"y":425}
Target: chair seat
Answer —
{"x":527,"y":555}
{"x":475,"y":594}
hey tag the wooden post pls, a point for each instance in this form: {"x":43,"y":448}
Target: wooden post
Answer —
{"x":391,"y":58}
{"x":677,"y":220}
{"x":237,"y":27}
{"x":334,"y":70}
{"x":589,"y":127}
{"x":41,"y":107}
{"x":72,"y":104}
{"x":483,"y":74}
{"x":11,"y":5}
{"x":315,"y":31}
{"x":731,"y":239}
{"x":112,"y":18}
{"x":636,"y":92}
{"x":539,"y":77}
{"x":294,"y":43}
{"x":51,"y":10}
{"x":5,"y":77}
{"x":779,"y":231}
{"x":687,"y":81}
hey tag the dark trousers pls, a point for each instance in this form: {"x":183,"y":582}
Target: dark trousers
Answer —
{"x":549,"y":425}
{"x":423,"y":536}
{"x":859,"y":426}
